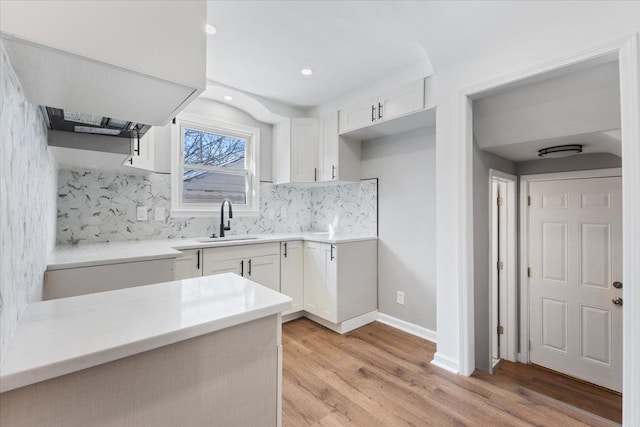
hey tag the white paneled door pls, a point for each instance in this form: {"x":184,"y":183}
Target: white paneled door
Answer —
{"x":575,"y":231}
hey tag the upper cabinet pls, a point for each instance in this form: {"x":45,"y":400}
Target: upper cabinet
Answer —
{"x":136,"y":61}
{"x":405,"y":108}
{"x":339,"y":158}
{"x":295,"y":151}
{"x":152,"y":152}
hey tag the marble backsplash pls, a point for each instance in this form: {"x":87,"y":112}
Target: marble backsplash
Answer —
{"x":100,"y":207}
{"x":27,"y":201}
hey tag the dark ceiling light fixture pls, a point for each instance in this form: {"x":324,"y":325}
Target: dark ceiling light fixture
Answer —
{"x":560,"y":151}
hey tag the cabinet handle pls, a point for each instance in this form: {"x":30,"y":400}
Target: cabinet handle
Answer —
{"x":249,"y":267}
{"x":333,"y":171}
{"x":315,"y":174}
{"x":242,"y":268}
{"x":332,"y":256}
{"x":198,"y":260}
{"x":285,"y":249}
{"x":379,"y":111}
{"x":137,"y":150}
{"x":373,"y":113}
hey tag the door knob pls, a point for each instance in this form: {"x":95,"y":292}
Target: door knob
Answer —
{"x":617,"y":301}
{"x":617,"y":285}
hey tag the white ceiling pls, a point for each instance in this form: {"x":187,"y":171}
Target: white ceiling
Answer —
{"x":580,"y":107}
{"x":260,"y":47}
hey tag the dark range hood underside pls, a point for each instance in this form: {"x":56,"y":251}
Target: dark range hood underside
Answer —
{"x":58,"y":119}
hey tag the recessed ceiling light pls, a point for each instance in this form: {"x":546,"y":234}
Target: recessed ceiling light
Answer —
{"x":306,"y":71}
{"x":560,"y":151}
{"x":210,"y":29}
{"x":228,"y":98}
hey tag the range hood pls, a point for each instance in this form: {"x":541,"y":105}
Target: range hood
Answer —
{"x":71,"y":121}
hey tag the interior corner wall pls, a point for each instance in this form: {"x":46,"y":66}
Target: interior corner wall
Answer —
{"x":482,"y":162}
{"x":227,"y":113}
{"x":405,"y":167}
{"x":28,"y":178}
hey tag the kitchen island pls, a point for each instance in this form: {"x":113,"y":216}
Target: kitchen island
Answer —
{"x":200,"y":351}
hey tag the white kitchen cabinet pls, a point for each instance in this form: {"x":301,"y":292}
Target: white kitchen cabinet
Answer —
{"x":100,"y":278}
{"x":152,"y":152}
{"x":340,"y":280}
{"x":339,"y":157}
{"x":387,"y":106}
{"x":189,"y":265}
{"x":292,"y":273}
{"x":295,"y":151}
{"x":259,"y":262}
{"x":90,"y":57}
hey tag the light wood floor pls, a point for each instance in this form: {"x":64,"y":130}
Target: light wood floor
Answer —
{"x":380,"y":376}
{"x":589,"y":397}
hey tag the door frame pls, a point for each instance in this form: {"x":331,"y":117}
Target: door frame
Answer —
{"x":511,"y":321}
{"x":627,"y":52}
{"x":525,"y":181}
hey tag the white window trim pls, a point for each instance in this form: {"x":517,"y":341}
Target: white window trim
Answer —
{"x":178,"y":209}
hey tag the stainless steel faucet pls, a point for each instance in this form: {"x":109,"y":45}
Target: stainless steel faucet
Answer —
{"x":222,"y":227}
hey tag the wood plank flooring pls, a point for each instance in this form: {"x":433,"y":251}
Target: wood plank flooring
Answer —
{"x":591,"y":398}
{"x":380,"y":376}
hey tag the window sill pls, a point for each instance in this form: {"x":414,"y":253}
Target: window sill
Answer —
{"x":201,"y":213}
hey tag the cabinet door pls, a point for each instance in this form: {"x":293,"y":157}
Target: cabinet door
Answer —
{"x":237,"y":266}
{"x":189,"y":265}
{"x":404,"y":100}
{"x":328,"y":142}
{"x":359,"y":116}
{"x":304,"y":150}
{"x":264,"y":270}
{"x":320,"y":290}
{"x":292,"y":273}
{"x":143,"y":151}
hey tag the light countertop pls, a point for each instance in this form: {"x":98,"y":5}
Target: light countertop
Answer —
{"x":65,"y":335}
{"x":84,"y":255}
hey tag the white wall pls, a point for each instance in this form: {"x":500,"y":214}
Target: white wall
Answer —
{"x":597,"y":24}
{"x":223,"y":112}
{"x":27,"y":201}
{"x":405,"y":167}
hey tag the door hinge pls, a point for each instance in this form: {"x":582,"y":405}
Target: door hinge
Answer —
{"x":500,"y":201}
{"x":500,"y":265}
{"x":528,"y":271}
{"x":528,"y":200}
{"x":500,"y":330}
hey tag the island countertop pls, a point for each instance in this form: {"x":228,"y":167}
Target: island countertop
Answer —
{"x":65,"y":335}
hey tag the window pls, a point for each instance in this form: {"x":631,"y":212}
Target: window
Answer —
{"x":213,"y":161}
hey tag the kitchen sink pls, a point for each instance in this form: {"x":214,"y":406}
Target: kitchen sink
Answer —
{"x":225,"y":239}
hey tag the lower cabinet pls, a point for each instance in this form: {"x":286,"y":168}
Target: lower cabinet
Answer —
{"x":189,"y":265}
{"x":292,"y":273}
{"x":260,"y":262}
{"x":99,"y":278}
{"x":340,"y":280}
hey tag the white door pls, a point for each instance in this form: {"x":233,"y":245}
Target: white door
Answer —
{"x":264,"y":270}
{"x":320,"y":280}
{"x":237,"y":266}
{"x":328,"y":140}
{"x":358,"y":116}
{"x":401,"y":101}
{"x":189,"y":264}
{"x":575,"y":229}
{"x":304,"y":150}
{"x":292,"y":274}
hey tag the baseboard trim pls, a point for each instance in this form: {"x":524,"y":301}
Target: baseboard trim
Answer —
{"x":407,"y":327}
{"x":292,"y":316}
{"x":446,"y":362}
{"x":347,"y":325}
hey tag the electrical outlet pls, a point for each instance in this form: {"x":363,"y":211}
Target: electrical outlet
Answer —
{"x":400,"y":298}
{"x":159,"y":214}
{"x":283,"y":212}
{"x":142,"y":213}
{"x":272,"y":214}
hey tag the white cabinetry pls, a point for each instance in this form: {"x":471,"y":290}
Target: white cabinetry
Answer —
{"x":189,"y":265}
{"x":340,"y":280}
{"x":295,"y":151}
{"x":339,"y":157}
{"x":387,"y":106}
{"x":137,"y":61}
{"x":292,"y":273}
{"x":260,"y":262}
{"x":100,"y":278}
{"x":152,"y":152}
